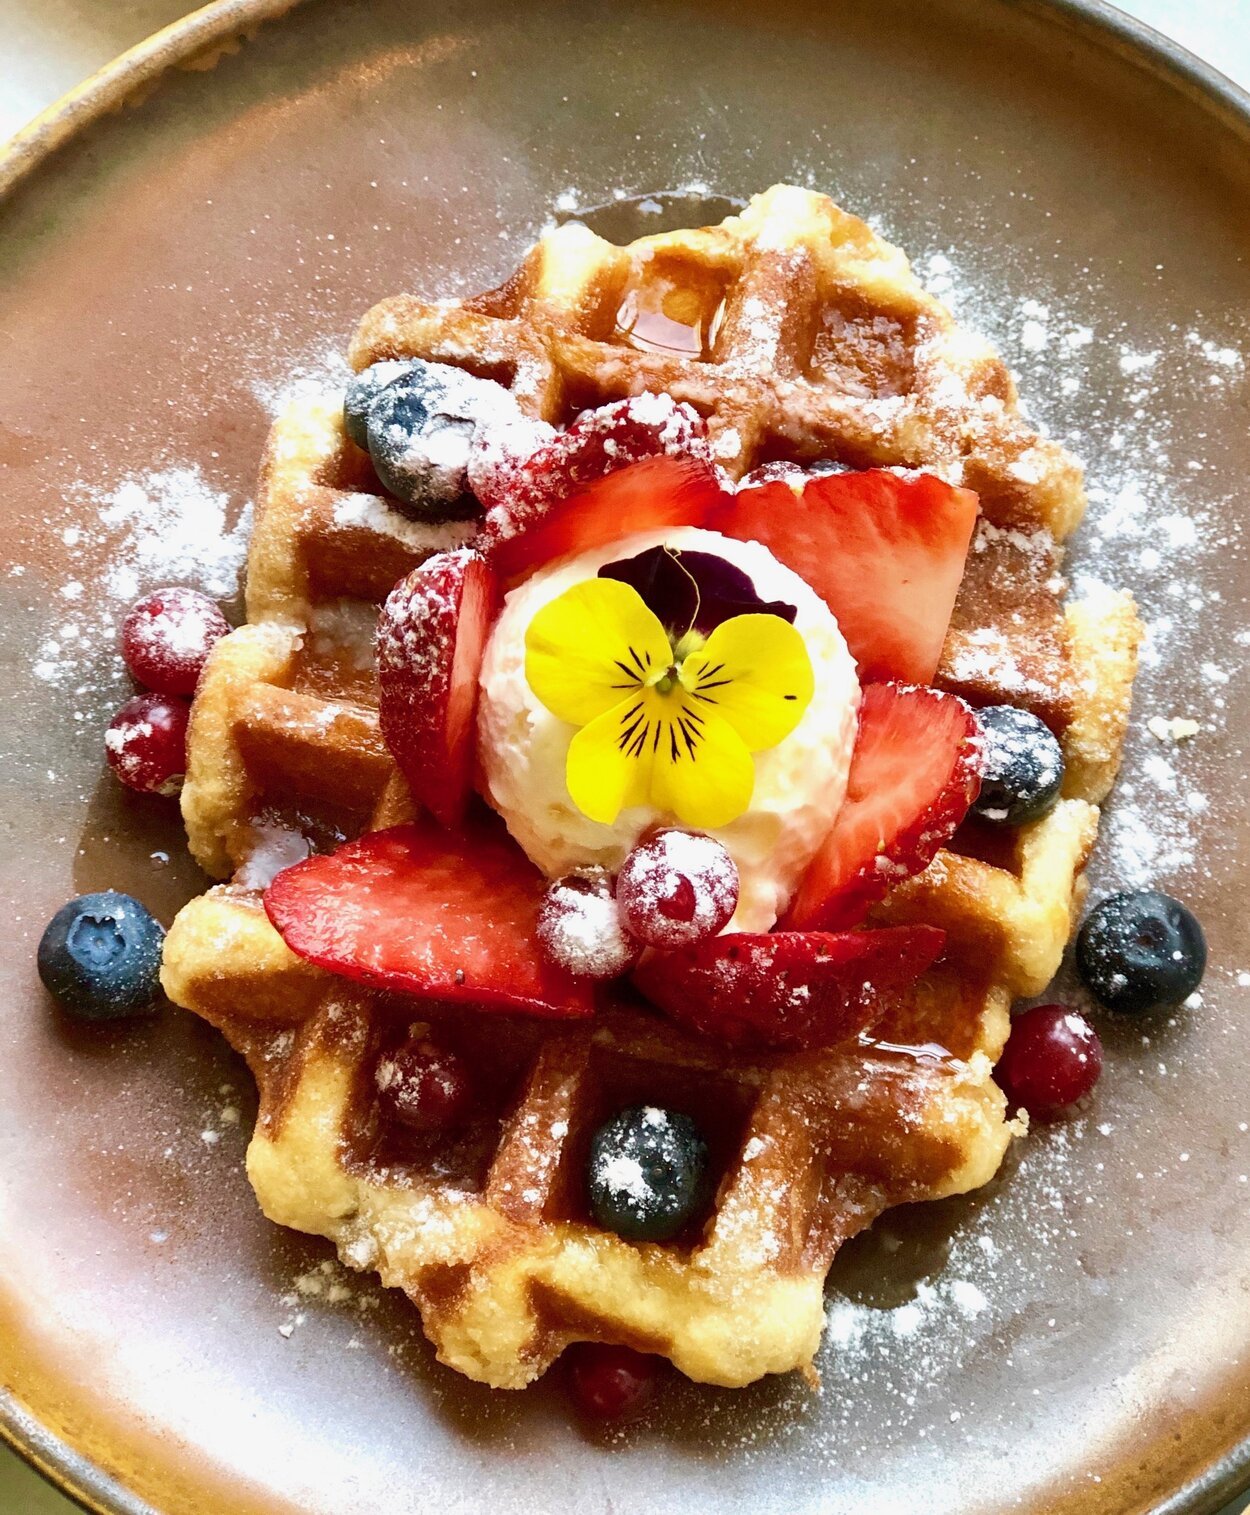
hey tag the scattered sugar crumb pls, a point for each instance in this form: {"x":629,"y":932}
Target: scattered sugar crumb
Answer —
{"x":1176,"y":728}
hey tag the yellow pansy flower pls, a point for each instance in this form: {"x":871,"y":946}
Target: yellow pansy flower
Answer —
{"x":668,"y":722}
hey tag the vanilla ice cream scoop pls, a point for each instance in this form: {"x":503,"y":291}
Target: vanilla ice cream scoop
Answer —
{"x":799,"y":783}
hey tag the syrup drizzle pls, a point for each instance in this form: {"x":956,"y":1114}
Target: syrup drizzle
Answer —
{"x":667,"y":315}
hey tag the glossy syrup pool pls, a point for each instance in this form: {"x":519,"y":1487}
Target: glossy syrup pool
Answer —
{"x":666,"y":307}
{"x":1033,"y":1347}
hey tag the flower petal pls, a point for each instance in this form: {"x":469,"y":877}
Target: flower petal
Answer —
{"x":703,"y":773}
{"x":590,"y":647}
{"x":692,"y":590}
{"x":609,"y":762}
{"x":755,"y":672}
{"x":662,"y":750}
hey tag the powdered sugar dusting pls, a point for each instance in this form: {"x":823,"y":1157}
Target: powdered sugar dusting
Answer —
{"x":174,"y":529}
{"x":376,"y":516}
{"x":311,"y":378}
{"x":1162,"y":523}
{"x":164,"y":526}
{"x":1143,"y":532}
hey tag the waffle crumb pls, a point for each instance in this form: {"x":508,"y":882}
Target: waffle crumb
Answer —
{"x":1176,"y":728}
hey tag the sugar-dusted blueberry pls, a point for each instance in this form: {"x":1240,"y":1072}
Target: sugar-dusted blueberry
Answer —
{"x":647,"y":1167}
{"x":100,"y":956}
{"x":610,"y":1382}
{"x":676,"y":888}
{"x":1138,"y":951}
{"x":420,"y":428}
{"x":167,"y":637}
{"x":1023,"y":767}
{"x":580,"y":929}
{"x":361,"y":392}
{"x":1053,"y":1058}
{"x":146,"y":743}
{"x":424,"y":1086}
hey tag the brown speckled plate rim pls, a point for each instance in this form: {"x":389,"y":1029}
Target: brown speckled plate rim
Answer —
{"x":196,"y":41}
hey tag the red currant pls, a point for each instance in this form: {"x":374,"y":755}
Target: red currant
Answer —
{"x":146,"y":743}
{"x":1052,"y":1059}
{"x":677,"y":888}
{"x":579,"y":927}
{"x":167,"y":637}
{"x":612,"y":1383}
{"x":423,"y":1086}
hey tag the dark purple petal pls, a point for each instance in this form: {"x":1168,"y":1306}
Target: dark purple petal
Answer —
{"x":693,"y":589}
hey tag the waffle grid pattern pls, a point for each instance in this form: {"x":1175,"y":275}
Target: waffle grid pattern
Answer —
{"x":812,"y":339}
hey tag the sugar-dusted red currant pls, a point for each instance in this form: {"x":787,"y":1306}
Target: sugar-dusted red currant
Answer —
{"x":579,"y":927}
{"x":167,"y":637}
{"x":1052,"y":1059}
{"x":146,"y":743}
{"x":676,"y":888}
{"x":424,"y":1086}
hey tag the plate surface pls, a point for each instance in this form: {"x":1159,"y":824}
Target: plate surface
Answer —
{"x":1078,"y":1339}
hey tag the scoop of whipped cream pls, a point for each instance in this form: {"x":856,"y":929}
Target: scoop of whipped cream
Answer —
{"x":799,"y":784}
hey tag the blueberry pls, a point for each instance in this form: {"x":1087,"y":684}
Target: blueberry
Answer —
{"x":100,"y":956}
{"x":419,"y":429}
{"x":361,"y":393}
{"x":646,"y":1173}
{"x":1023,"y":767}
{"x":1136,"y":952}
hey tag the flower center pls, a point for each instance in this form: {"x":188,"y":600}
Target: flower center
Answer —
{"x":684,"y":645}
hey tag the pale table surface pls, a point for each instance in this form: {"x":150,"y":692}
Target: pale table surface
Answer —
{"x":52,"y":44}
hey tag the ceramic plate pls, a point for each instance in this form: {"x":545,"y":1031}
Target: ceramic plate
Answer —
{"x":1076,"y":1339}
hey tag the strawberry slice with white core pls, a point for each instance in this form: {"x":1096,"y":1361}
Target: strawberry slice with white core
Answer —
{"x":884,"y":550}
{"x":788,"y":989}
{"x":431,"y":636}
{"x":915,"y":770}
{"x":657,"y":493}
{"x":431,"y":913}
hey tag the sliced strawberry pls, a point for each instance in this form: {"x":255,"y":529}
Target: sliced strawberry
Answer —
{"x":422,"y":911}
{"x":656,"y":493}
{"x":884,"y":550}
{"x":431,"y":636}
{"x":799,"y":989}
{"x":915,"y":770}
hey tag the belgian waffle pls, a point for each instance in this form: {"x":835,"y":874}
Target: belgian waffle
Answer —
{"x":798,"y":333}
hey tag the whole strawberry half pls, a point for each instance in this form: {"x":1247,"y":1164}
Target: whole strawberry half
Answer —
{"x":431,"y":636}
{"x":915,"y":770}
{"x":656,"y":493}
{"x":788,"y":989}
{"x":885,"y":551}
{"x":431,"y":913}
